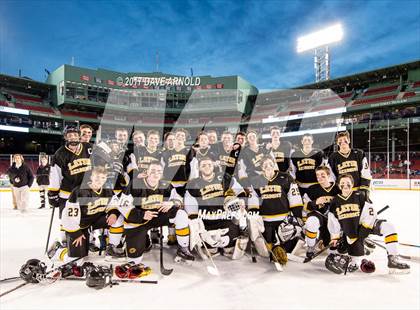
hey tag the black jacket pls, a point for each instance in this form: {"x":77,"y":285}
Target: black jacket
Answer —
{"x":20,"y":176}
{"x":43,"y":175}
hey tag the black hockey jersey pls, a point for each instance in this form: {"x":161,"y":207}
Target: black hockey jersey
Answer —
{"x":317,"y":191}
{"x":145,"y":156}
{"x":352,"y":215}
{"x":227,"y":159}
{"x":85,"y":206}
{"x":353,"y":163}
{"x":43,"y":175}
{"x":140,"y":197}
{"x":177,"y":165}
{"x":68,"y":169}
{"x":207,"y":197}
{"x":282,"y":155}
{"x":275,"y":197}
{"x":303,"y":166}
{"x":250,"y":161}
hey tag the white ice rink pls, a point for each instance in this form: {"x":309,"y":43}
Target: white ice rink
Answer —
{"x":241,"y":285}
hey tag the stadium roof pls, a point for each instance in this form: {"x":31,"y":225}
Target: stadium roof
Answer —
{"x":25,"y":84}
{"x":365,"y":77}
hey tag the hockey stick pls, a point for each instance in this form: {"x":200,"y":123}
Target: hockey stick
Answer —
{"x":163,"y":270}
{"x":409,"y":244}
{"x":408,"y":257}
{"x":13,"y":289}
{"x":276,"y":263}
{"x":49,"y":231}
{"x":9,"y":279}
{"x":307,"y":259}
{"x":211,"y":269}
{"x":253,"y":257}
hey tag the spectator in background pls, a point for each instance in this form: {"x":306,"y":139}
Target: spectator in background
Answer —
{"x":86,"y":133}
{"x":21,"y":178}
{"x":43,"y":179}
{"x":138,"y":138}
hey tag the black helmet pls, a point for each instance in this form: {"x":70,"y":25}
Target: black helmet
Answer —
{"x":71,"y":128}
{"x":32,"y":271}
{"x":98,"y":277}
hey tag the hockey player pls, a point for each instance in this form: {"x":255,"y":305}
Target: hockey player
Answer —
{"x":350,"y":161}
{"x":86,"y":132}
{"x":304,"y":163}
{"x":169,"y":140}
{"x":88,"y":208}
{"x":148,"y":154}
{"x":281,"y":150}
{"x":69,"y":165}
{"x":138,"y":138}
{"x":227,"y":154}
{"x":205,"y":200}
{"x":148,"y":203}
{"x":212,"y":134}
{"x":316,"y":205}
{"x":250,"y":156}
{"x":354,"y":216}
{"x":275,"y":195}
{"x":201,"y":149}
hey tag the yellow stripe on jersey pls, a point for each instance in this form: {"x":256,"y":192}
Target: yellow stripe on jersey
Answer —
{"x":116,"y":230}
{"x":295,"y":206}
{"x":310,"y":234}
{"x":391,"y":238}
{"x":274,"y":215}
{"x":183,"y":231}
{"x":65,"y":192}
{"x":366,"y":226}
{"x":53,"y":189}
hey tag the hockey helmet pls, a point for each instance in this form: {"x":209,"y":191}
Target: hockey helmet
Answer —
{"x":32,"y":271}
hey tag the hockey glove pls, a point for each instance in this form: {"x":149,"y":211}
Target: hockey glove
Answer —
{"x":53,"y":199}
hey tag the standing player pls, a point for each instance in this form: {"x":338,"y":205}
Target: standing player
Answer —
{"x":89,"y":208}
{"x":281,"y":150}
{"x":227,"y":154}
{"x":317,"y":201}
{"x":169,"y":141}
{"x":304,"y":162}
{"x":150,"y":203}
{"x":212,"y":134}
{"x":138,"y":138}
{"x":69,"y":164}
{"x":43,"y":179}
{"x":350,"y":161}
{"x":148,"y":154}
{"x":86,"y":133}
{"x":250,"y":157}
{"x":353,"y":216}
{"x":201,"y":149}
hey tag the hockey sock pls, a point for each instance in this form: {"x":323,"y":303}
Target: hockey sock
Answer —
{"x":311,"y":232}
{"x":182,"y":229}
{"x":391,"y":238}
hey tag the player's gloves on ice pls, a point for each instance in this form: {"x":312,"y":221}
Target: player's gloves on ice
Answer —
{"x":367,"y":266}
{"x":132,"y":271}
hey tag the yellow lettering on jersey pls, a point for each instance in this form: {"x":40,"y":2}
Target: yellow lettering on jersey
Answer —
{"x":347,"y":166}
{"x":79,"y":165}
{"x":348,"y":210}
{"x":279,"y":156}
{"x":270,"y":189}
{"x":99,"y":205}
{"x":152,"y":202}
{"x":177,"y":160}
{"x":306,"y":164}
{"x":257,"y":160}
{"x":227,"y":160}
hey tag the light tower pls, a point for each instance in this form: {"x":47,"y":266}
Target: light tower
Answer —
{"x":319,"y":43}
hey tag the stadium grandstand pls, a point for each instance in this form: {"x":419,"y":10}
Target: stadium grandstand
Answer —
{"x":380,"y":109}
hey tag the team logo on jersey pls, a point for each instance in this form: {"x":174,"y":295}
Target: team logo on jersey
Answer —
{"x":132,"y":250}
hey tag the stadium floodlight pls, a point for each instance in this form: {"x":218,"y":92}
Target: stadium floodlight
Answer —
{"x":318,"y":42}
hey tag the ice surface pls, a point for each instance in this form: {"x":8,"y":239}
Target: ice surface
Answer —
{"x":241,"y":285}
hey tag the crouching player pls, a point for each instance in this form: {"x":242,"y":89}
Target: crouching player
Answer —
{"x":316,"y":205}
{"x":88,"y":208}
{"x":277,"y":195}
{"x":150,"y":203}
{"x":352,"y":214}
{"x":206,"y":199}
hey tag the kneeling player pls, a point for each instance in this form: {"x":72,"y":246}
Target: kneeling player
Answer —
{"x":276,"y":194}
{"x":351,"y":213}
{"x":87,"y":209}
{"x":317,"y":202}
{"x":151,"y":203}
{"x":205,"y":199}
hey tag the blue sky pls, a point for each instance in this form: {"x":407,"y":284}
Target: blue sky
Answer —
{"x":255,"y":40}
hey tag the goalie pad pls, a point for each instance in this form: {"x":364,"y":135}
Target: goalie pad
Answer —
{"x":216,"y":238}
{"x":256,"y":228}
{"x":240,"y":247}
{"x":196,"y":229}
{"x":288,"y":231}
